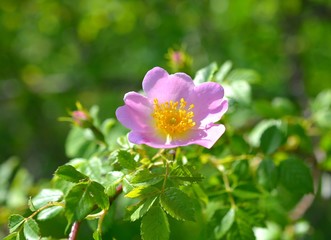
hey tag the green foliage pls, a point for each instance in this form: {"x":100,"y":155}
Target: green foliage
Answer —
{"x":253,"y":178}
{"x":295,"y":176}
{"x":69,"y":173}
{"x":155,"y":225}
{"x":31,"y":229}
{"x":177,"y":204}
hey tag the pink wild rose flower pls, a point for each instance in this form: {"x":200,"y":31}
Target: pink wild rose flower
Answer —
{"x":175,"y":112}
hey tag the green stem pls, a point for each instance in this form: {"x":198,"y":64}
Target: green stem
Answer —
{"x":165,"y":175}
{"x":50,"y":204}
{"x":226,"y":181}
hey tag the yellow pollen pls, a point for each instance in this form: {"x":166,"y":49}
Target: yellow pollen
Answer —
{"x":173,"y":118}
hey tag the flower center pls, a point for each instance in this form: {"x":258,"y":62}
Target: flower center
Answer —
{"x":173,"y":118}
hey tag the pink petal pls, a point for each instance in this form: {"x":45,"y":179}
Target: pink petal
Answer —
{"x":136,"y":113}
{"x":204,"y":137}
{"x":159,"y":84}
{"x":209,"y":105}
{"x":209,"y":136}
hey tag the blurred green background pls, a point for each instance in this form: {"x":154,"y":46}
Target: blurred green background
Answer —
{"x":53,"y":53}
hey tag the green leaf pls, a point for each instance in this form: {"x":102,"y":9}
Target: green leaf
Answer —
{"x":322,"y":102}
{"x":31,"y":229}
{"x":145,"y":176}
{"x":6,"y":172}
{"x":80,"y":143}
{"x":79,"y":202}
{"x":155,"y":225}
{"x":31,"y":206}
{"x":186,"y":174}
{"x":255,"y":135}
{"x":99,"y":195}
{"x":271,"y":139}
{"x":295,"y":176}
{"x":20,"y":236}
{"x":223,"y":71}
{"x":19,"y":189}
{"x":15,"y":221}
{"x":126,"y":160}
{"x":205,"y":74}
{"x":49,"y":213}
{"x":143,"y":191}
{"x":112,"y":180}
{"x":267,"y":174}
{"x":142,"y":209}
{"x":177,"y":204}
{"x":69,"y":173}
{"x":241,"y":230}
{"x":226,"y":224}
{"x":92,"y":167}
{"x":11,"y":236}
{"x":45,"y":196}
{"x":239,"y":91}
{"x":247,"y":75}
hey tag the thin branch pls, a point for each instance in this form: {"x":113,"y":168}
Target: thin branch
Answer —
{"x":74,"y":231}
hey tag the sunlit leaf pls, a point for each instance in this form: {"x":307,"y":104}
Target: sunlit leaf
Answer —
{"x":205,"y":74}
{"x":142,"y":192}
{"x":112,"y":180}
{"x":31,"y":229}
{"x":247,"y":75}
{"x":45,"y":196}
{"x":238,"y":91}
{"x":7,"y":169}
{"x":49,"y":213}
{"x":223,"y":71}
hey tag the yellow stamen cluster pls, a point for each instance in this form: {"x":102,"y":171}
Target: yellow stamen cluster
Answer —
{"x":173,"y":118}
